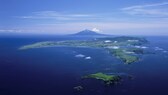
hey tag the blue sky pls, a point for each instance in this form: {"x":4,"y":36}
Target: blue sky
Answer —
{"x":118,"y":17}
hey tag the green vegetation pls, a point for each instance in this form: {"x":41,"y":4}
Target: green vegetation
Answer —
{"x":123,"y":48}
{"x":122,"y":54}
{"x":101,"y":42}
{"x":38,"y":45}
{"x":120,"y":47}
{"x":108,"y":79}
{"x":124,"y":40}
{"x":135,"y":50}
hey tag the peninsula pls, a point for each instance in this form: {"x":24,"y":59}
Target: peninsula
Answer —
{"x":124,"y":48}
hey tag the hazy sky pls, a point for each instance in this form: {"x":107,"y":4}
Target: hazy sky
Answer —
{"x":126,"y":17}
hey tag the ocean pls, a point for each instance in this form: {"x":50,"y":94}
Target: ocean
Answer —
{"x":57,"y":70}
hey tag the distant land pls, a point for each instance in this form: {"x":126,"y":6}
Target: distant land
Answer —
{"x":121,"y":47}
{"x":127,"y":49}
{"x":87,"y":32}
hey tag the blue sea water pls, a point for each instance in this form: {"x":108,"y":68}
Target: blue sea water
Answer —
{"x":56,"y":70}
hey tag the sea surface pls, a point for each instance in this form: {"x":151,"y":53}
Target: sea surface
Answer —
{"x":56,"y":70}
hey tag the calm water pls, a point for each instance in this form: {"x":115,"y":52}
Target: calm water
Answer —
{"x":56,"y":70}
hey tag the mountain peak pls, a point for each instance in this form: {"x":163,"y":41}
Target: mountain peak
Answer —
{"x":87,"y":32}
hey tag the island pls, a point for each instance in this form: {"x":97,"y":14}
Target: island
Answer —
{"x":124,"y":48}
{"x":107,"y":79}
{"x":124,"y":55}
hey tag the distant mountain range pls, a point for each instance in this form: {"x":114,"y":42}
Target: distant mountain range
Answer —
{"x":88,"y":33}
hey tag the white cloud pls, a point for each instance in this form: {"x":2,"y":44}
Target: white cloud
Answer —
{"x":56,"y":15}
{"x":165,"y":51}
{"x":147,"y":5}
{"x":96,"y":30}
{"x":113,"y":47}
{"x":80,"y":56}
{"x":83,"y":56}
{"x":87,"y":58}
{"x":151,"y":10}
{"x":106,"y":27}
{"x":11,"y":30}
{"x":158,"y":49}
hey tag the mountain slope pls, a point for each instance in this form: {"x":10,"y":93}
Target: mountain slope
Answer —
{"x":88,"y":33}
